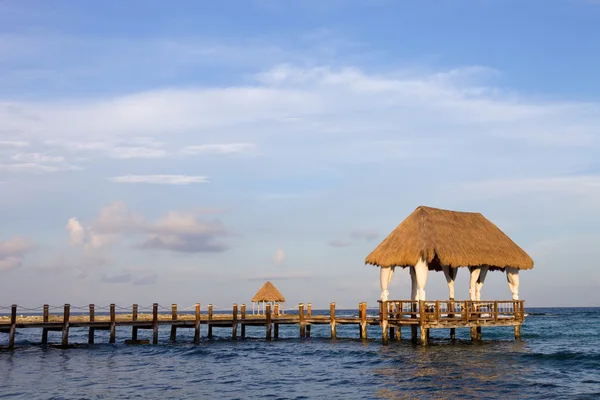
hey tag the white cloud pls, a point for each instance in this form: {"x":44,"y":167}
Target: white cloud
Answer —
{"x":12,"y":252}
{"x":160,"y":179}
{"x":177,"y":231}
{"x":13,"y":143}
{"x":279,"y":257}
{"x":220,"y":149}
{"x":364,"y":234}
{"x":136,"y":152}
{"x":76,"y":230}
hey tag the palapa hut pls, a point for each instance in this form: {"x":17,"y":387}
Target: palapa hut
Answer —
{"x":432,"y":239}
{"x":268,"y":293}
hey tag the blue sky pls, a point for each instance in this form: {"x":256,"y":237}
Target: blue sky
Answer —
{"x":153,"y":152}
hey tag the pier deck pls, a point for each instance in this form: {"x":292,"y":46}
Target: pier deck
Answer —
{"x":391,"y":317}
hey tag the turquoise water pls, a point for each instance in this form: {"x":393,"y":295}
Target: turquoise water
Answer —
{"x":559,"y":358}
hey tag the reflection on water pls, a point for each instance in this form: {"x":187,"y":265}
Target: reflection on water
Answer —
{"x":559,"y":358}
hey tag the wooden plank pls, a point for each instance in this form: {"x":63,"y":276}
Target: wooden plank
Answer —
{"x":268,"y":315}
{"x":210,"y":317}
{"x":113,"y":325}
{"x":65,"y":329}
{"x":173,"y":336}
{"x":243,"y":319}
{"x":91,"y":330}
{"x":45,"y":319}
{"x":134,"y":318}
{"x":197,"y":325}
{"x":155,"y":323}
{"x":13,"y":327}
{"x":234,"y":322}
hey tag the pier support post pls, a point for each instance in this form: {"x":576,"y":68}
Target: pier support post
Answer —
{"x":173,"y":336}
{"x":276,"y":325}
{"x":91,"y":330}
{"x":134,"y":318}
{"x":45,"y":319}
{"x":517,"y":332}
{"x":451,"y":315}
{"x":308,"y":315}
{"x":210,"y":316}
{"x":197,"y":325}
{"x":13,"y":327}
{"x":413,"y":327}
{"x":424,"y":335}
{"x":392,"y":333}
{"x":234,"y":322}
{"x":383,"y":309}
{"x":301,"y":320}
{"x":268,"y":315}
{"x":479,"y":336}
{"x":243,"y":319}
{"x":155,"y":323}
{"x":112,"y":338}
{"x":332,"y":322}
{"x":65,"y":329}
{"x":362,"y":310}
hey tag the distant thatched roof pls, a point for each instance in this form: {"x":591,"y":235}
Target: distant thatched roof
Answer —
{"x":452,"y":238}
{"x":268,"y":292}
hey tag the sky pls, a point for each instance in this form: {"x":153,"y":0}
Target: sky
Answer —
{"x":187,"y":152}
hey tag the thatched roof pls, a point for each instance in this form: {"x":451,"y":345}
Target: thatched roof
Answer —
{"x":452,"y":238}
{"x":268,"y":292}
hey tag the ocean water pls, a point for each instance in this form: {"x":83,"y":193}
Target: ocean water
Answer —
{"x":558,"y":358}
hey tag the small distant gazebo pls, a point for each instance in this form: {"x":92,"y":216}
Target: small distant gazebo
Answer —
{"x":267,"y":294}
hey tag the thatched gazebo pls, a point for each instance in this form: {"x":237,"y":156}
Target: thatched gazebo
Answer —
{"x":432,"y":239}
{"x":268,"y":293}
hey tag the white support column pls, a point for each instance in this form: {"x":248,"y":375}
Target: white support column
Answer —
{"x":421,"y":274}
{"x":477,"y":279}
{"x":414,"y":294}
{"x":512,"y":276}
{"x":385,"y":277}
{"x":480,"y":281}
{"x":450,"y":274}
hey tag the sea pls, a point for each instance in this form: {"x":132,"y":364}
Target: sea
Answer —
{"x":557,"y":358}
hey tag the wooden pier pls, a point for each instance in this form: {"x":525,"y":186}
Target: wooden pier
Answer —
{"x":393,"y":315}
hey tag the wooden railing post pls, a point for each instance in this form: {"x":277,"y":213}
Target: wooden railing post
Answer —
{"x":197,"y":325}
{"x":363,"y":320}
{"x":112,"y":324}
{"x":65,"y":329}
{"x":234,"y":322}
{"x":210,"y":317}
{"x":276,"y":325}
{"x":45,"y":320}
{"x":301,"y":320}
{"x":308,"y":315}
{"x":243,"y":319}
{"x":332,"y":322}
{"x":155,"y":323}
{"x":134,"y":318}
{"x":173,"y":336}
{"x":383,"y":309}
{"x":13,"y":327}
{"x":496,"y":311}
{"x":268,"y":315}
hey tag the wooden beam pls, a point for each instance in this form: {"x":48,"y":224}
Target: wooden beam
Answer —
{"x":244,"y":318}
{"x":112,"y":324}
{"x":91,"y":330}
{"x":383,"y":312}
{"x":155,"y":323}
{"x":362,"y":307}
{"x":234,"y":322}
{"x":301,"y":317}
{"x":65,"y":329}
{"x":308,"y":315}
{"x":210,"y":316}
{"x":173,"y":336}
{"x":268,"y":315}
{"x":276,"y":325}
{"x":197,"y":325}
{"x":45,"y":319}
{"x":13,"y":327}
{"x":134,"y":318}
{"x":451,"y":315}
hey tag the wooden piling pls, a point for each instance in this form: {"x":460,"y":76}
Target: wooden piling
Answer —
{"x":112,"y":324}
{"x":301,"y":320}
{"x":363,"y":320}
{"x":243,"y":319}
{"x":413,"y":328}
{"x":173,"y":336}
{"x":197,"y":325}
{"x":234,"y":322}
{"x":45,"y":319}
{"x":517,"y":332}
{"x":134,"y":318}
{"x":451,"y":315}
{"x":383,"y":311}
{"x":332,"y":320}
{"x":155,"y":323}
{"x":392,"y":333}
{"x":65,"y":329}
{"x":268,"y":312}
{"x":92,"y":330}
{"x":478,"y":330}
{"x":210,"y":316}
{"x":276,"y":325}
{"x":308,"y":315}
{"x":13,"y":327}
{"x":423,"y":331}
